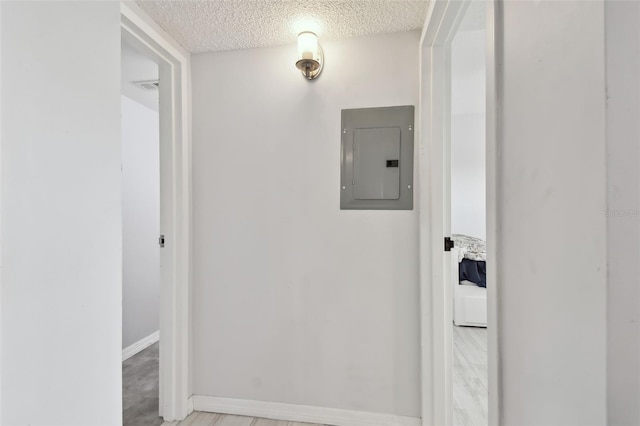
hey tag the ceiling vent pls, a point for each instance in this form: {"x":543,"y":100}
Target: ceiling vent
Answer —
{"x":147,"y":84}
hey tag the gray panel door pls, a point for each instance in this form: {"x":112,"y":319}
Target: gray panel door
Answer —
{"x":376,"y":153}
{"x":376,"y":158}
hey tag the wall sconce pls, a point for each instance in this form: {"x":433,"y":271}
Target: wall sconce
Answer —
{"x":310,"y":56}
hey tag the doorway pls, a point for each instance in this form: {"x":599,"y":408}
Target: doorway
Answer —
{"x":140,"y":149}
{"x":450,"y":113}
{"x":143,"y":35}
{"x":466,"y":190}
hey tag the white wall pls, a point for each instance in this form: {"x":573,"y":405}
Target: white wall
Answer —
{"x":140,"y":221}
{"x":623,"y":203}
{"x":551,"y":214}
{"x":294,"y":300}
{"x":468,"y":169}
{"x":61,"y":214}
{"x":137,"y":67}
{"x":0,"y":217}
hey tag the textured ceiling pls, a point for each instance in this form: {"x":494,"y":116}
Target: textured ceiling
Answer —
{"x":214,"y":25}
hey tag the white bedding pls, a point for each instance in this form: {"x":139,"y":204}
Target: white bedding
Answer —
{"x":470,"y":247}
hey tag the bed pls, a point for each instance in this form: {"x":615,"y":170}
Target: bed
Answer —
{"x":469,"y":299}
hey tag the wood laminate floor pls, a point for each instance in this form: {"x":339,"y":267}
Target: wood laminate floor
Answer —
{"x":470,"y":394}
{"x":140,"y":389}
{"x":210,"y":419}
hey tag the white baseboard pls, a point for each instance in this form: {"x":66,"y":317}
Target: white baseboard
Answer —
{"x":299,"y":413}
{"x":140,"y":345}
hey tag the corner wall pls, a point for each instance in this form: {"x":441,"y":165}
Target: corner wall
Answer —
{"x":623,"y":212}
{"x":552,"y":259}
{"x":294,"y":300}
{"x":61,"y":245}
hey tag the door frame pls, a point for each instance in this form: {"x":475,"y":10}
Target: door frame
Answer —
{"x":175,"y":206}
{"x":443,"y":18}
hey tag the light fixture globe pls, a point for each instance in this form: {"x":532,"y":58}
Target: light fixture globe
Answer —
{"x":310,"y":55}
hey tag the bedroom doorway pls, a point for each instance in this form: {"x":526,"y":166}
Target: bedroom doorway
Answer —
{"x":141,"y":34}
{"x":466,"y":191}
{"x":459,"y":135}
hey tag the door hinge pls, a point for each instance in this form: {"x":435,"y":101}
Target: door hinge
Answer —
{"x":448,"y":243}
{"x":161,"y":241}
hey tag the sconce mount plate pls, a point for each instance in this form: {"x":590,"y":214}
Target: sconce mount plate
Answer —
{"x":311,"y":68}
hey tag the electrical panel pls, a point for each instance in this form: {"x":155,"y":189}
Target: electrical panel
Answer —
{"x":377,"y":159}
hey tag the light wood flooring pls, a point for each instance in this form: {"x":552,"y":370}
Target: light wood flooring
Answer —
{"x":470,"y":397}
{"x":210,"y":419}
{"x":470,"y":394}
